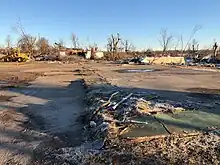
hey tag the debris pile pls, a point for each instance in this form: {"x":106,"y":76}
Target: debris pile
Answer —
{"x":115,"y":112}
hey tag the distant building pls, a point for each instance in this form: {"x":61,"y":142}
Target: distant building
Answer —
{"x":72,"y":51}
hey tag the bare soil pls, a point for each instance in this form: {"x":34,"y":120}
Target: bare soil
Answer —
{"x":42,"y":105}
{"x":16,"y":79}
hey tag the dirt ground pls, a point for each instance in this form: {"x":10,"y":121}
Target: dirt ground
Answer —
{"x":44,"y":98}
{"x":41,"y":103}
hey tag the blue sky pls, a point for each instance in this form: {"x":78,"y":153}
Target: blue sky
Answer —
{"x":139,"y":21}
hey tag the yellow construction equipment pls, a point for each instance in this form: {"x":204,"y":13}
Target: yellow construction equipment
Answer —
{"x":15,"y":55}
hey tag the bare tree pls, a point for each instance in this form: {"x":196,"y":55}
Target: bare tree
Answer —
{"x":189,"y":47}
{"x":75,"y":40}
{"x":8,"y":45}
{"x":114,"y":43}
{"x":165,"y":39}
{"x":60,"y":44}
{"x":194,"y":31}
{"x":128,"y":46}
{"x":182,"y":42}
{"x":195,"y":45}
{"x":215,"y":49}
{"x":177,"y":44}
{"x":8,"y":41}
{"x":43,"y":46}
{"x":26,"y":42}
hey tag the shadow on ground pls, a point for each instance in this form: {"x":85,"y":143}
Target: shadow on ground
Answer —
{"x":50,"y":116}
{"x":56,"y":110}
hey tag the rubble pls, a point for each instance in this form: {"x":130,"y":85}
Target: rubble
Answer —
{"x":115,"y":112}
{"x":184,"y":60}
{"x":136,"y":127}
{"x":135,"y":60}
{"x":47,"y":58}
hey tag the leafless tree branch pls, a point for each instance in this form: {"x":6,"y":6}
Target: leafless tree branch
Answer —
{"x":128,"y":46}
{"x":75,"y":40}
{"x":165,"y":39}
{"x":194,"y":31}
{"x":60,"y":44}
{"x":26,"y":42}
{"x":195,"y":45}
{"x":113,"y":43}
{"x":43,"y":46}
{"x":8,"y":41}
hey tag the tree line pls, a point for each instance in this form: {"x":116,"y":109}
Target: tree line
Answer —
{"x":115,"y":43}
